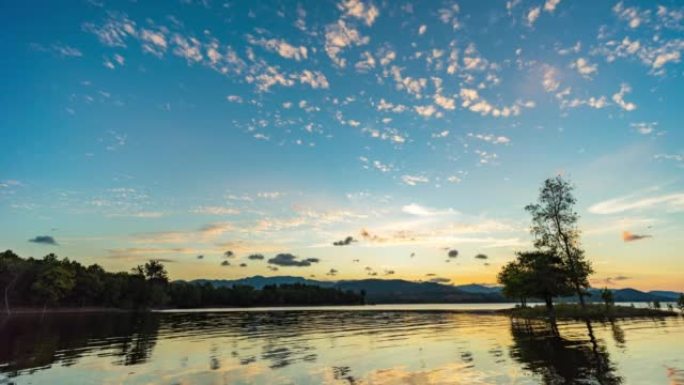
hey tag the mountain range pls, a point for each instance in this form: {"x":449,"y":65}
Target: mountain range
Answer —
{"x":403,"y":291}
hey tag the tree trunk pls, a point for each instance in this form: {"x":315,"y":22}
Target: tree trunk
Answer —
{"x":7,"y":289}
{"x":550,"y":309}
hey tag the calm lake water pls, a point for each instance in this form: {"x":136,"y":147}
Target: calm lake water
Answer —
{"x":352,"y":347}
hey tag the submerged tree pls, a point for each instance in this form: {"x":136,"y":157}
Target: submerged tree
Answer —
{"x":554,"y":227}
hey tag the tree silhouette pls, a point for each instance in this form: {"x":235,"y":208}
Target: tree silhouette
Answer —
{"x":554,"y":227}
{"x":537,"y":274}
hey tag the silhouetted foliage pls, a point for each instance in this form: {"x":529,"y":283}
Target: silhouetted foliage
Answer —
{"x":680,"y":302}
{"x":607,"y":297}
{"x":554,"y":227}
{"x":51,"y":282}
{"x":536,"y":274}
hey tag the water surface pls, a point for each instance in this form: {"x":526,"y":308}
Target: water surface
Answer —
{"x":384,"y":346}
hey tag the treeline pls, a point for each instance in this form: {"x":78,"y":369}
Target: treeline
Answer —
{"x":54,"y":282}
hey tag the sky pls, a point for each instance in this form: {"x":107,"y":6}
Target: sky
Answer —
{"x":357,"y":138}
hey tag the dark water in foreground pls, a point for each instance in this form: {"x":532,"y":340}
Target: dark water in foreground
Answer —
{"x":335,"y":347}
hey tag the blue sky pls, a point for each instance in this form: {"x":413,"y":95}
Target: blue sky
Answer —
{"x":137,"y":130}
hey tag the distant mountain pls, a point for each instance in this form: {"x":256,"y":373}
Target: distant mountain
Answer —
{"x":671,"y":295}
{"x":479,"y":289}
{"x":402,"y":291}
{"x":377,"y":290}
{"x":258,"y":281}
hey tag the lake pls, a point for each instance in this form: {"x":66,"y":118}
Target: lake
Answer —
{"x":416,"y":345}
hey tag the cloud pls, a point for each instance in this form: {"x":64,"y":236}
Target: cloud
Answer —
{"x":338,"y":37}
{"x":425,"y":111}
{"x":256,"y":257}
{"x":551,"y":5}
{"x":315,"y":79}
{"x":453,"y":253}
{"x":225,"y":263}
{"x":629,"y":237}
{"x":281,"y":47}
{"x":440,"y":280}
{"x":216,"y":210}
{"x":584,"y":68}
{"x":286,"y":259}
{"x":644,"y":128}
{"x":413,"y":180}
{"x":533,"y":15}
{"x":549,"y":79}
{"x":481,"y":256}
{"x":491,"y":138}
{"x":228,"y":254}
{"x":345,"y":242}
{"x":44,"y":240}
{"x":672,"y":202}
{"x":360,"y":10}
{"x":200,"y":256}
{"x":332,"y":272}
{"x":422,"y":211}
{"x":619,"y":98}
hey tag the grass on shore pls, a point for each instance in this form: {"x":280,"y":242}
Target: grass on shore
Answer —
{"x":592,"y":312}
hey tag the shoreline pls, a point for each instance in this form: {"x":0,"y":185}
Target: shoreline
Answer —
{"x":563,"y":312}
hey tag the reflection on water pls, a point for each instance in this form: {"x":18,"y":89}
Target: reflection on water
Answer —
{"x":333,"y":347}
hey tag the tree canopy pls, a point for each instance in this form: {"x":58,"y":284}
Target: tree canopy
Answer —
{"x":555,"y":230}
{"x":54,"y":282}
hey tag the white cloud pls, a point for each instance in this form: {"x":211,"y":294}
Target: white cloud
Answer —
{"x":338,"y":37}
{"x":216,"y":210}
{"x":533,"y":15}
{"x":491,"y":138}
{"x":665,"y":58}
{"x":358,"y":9}
{"x":422,"y":211}
{"x":551,"y":5}
{"x":584,"y":68}
{"x":366,"y":63}
{"x":619,"y":98}
{"x":422,"y":29}
{"x":425,"y":111}
{"x":644,"y":128}
{"x":445,"y":102}
{"x":313,"y":78}
{"x":550,"y":81}
{"x":413,"y":180}
{"x":671,"y":202}
{"x":281,"y":47}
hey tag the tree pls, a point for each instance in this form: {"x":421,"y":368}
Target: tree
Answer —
{"x":537,"y":274}
{"x":54,"y":281}
{"x":155,"y":271}
{"x":554,"y":227}
{"x":513,"y":280}
{"x":11,"y":268}
{"x":607,"y":297}
{"x":680,"y":302}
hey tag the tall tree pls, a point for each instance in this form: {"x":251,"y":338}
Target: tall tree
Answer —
{"x":554,"y":227}
{"x":11,"y":268}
